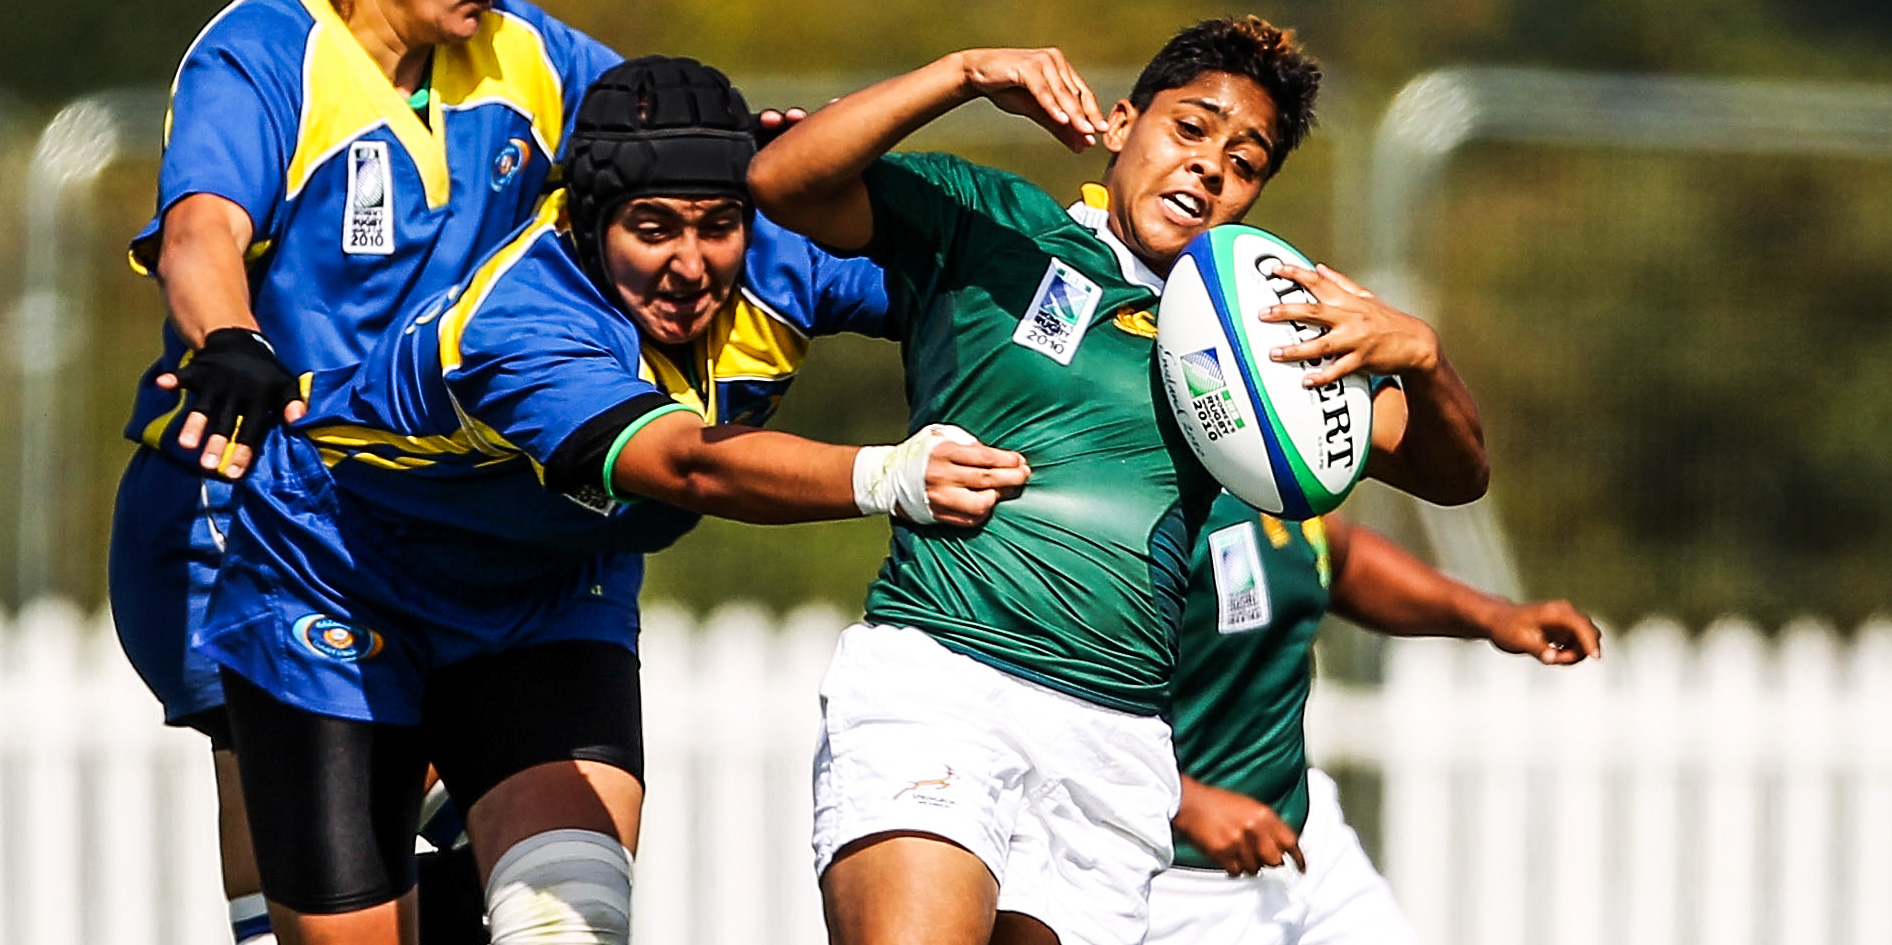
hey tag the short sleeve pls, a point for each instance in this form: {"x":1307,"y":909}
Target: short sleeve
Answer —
{"x":921,"y":204}
{"x":819,"y":293}
{"x":232,"y":129}
{"x":544,"y":357}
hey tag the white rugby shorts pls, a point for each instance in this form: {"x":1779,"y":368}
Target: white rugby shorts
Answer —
{"x":1067,"y":802}
{"x":1342,"y":900}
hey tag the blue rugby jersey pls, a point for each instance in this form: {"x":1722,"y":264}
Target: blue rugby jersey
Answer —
{"x":359,"y":207}
{"x":449,"y":421}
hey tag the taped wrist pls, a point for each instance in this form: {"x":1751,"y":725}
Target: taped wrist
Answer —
{"x":889,"y":479}
{"x":237,"y":383}
{"x":577,"y":466}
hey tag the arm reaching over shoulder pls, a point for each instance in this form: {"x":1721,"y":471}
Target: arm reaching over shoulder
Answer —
{"x":1381,"y":587}
{"x":810,"y":179}
{"x":1427,"y":438}
{"x":766,"y":477}
{"x":1242,"y":835}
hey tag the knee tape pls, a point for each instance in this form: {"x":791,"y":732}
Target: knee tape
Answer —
{"x":561,"y":887}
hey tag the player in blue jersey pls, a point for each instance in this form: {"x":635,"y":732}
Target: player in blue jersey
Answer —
{"x":323,"y":166}
{"x":440,"y":561}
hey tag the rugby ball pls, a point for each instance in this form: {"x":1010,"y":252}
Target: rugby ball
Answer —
{"x":1288,"y":450}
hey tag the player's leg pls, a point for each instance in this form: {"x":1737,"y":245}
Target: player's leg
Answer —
{"x":242,"y":886}
{"x":543,"y":748}
{"x":332,"y":804}
{"x":1094,"y":827}
{"x":1348,"y":902}
{"x":917,"y":791}
{"x":452,"y":901}
{"x":167,"y":537}
{"x":908,"y":888}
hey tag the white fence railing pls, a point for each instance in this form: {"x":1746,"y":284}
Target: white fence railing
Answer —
{"x":1722,"y":791}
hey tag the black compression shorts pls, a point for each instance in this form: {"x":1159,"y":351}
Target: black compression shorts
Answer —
{"x":333,"y":802}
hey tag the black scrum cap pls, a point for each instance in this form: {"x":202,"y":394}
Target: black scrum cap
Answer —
{"x":653,"y":126}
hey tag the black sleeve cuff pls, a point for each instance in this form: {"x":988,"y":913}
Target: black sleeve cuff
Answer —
{"x":578,"y":463}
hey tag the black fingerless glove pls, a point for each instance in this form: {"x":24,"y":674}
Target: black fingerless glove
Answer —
{"x":236,"y":382}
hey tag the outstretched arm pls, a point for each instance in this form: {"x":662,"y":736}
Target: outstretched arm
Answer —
{"x":1381,"y":587}
{"x":1427,"y":439}
{"x":810,"y":179}
{"x":766,"y":477}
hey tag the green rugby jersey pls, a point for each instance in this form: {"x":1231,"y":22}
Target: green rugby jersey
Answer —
{"x":1027,"y":329}
{"x":1258,"y":588}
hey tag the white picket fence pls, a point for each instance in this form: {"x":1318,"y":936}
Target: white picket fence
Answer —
{"x":1725,"y":791}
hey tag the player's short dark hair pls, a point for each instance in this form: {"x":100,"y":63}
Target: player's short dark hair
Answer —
{"x":1246,"y":46}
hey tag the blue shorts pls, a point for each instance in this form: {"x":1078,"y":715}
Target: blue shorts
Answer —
{"x":167,"y":539}
{"x":343,"y":609}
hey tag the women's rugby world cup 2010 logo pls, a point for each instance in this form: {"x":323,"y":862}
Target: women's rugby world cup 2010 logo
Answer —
{"x":1210,"y":397}
{"x":327,"y":637}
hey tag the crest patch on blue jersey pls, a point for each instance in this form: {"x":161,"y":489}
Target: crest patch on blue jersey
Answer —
{"x":368,"y":216}
{"x":1060,"y":313}
{"x":327,"y":637}
{"x":506,"y":164}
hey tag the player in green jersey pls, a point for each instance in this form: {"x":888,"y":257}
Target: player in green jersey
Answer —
{"x":993,"y":766}
{"x":1257,"y":592}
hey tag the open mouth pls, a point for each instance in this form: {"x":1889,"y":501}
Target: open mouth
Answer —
{"x":682,"y":300}
{"x":1187,"y":206}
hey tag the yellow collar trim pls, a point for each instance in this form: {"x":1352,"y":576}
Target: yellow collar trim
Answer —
{"x":425,"y":142}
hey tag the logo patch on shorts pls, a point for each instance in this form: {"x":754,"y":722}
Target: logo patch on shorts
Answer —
{"x":327,"y":637}
{"x":1060,"y":313}
{"x":506,"y":164}
{"x":927,"y":790}
{"x":1241,"y":591}
{"x":368,"y":217}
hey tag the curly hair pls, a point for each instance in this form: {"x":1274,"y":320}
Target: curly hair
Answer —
{"x":1246,"y":46}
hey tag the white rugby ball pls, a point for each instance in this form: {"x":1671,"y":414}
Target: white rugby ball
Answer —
{"x":1291,"y":451}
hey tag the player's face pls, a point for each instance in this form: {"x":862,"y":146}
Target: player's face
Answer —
{"x":676,"y":260}
{"x":1195,"y":158}
{"x":444,"y":21}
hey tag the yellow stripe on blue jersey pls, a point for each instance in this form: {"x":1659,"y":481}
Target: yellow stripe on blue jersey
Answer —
{"x":745,"y":341}
{"x":502,"y":63}
{"x":345,"y":95}
{"x":500,"y":68}
{"x":736,"y":371}
{"x":360,"y":208}
{"x":758,"y":343}
{"x":459,"y":414}
{"x":550,"y":215}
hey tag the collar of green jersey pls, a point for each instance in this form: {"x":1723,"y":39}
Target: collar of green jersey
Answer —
{"x":1093,"y":213}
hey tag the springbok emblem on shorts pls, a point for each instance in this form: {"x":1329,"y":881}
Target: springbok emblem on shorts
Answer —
{"x":930,"y":784}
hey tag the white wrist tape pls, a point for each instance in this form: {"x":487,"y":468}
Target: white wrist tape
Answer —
{"x":561,"y":887}
{"x":893,"y":478}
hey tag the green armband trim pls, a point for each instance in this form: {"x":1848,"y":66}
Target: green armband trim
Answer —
{"x":617,"y":446}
